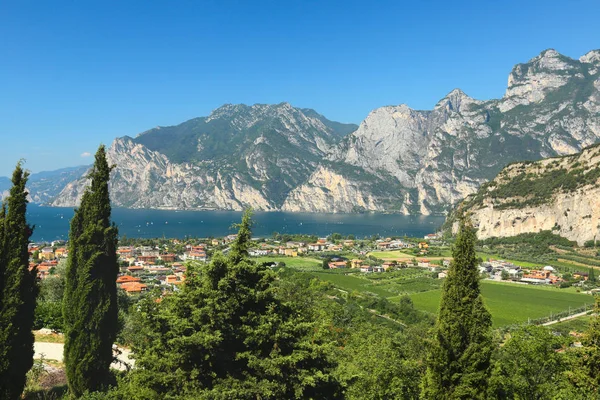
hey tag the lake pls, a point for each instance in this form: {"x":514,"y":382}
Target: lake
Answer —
{"x":52,"y":223}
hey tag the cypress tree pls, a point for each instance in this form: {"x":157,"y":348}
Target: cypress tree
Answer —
{"x":18,"y":290}
{"x":90,"y":300}
{"x":459,"y":358}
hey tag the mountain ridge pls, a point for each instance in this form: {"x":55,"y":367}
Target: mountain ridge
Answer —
{"x":278,"y":157}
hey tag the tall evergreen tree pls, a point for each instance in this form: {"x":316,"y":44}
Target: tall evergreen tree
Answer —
{"x":18,"y":290}
{"x":90,"y":298}
{"x":459,"y":357}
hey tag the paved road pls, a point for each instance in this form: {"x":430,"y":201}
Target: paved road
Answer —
{"x":54,"y":351}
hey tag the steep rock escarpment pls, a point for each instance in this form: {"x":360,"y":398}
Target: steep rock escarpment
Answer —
{"x":561,"y":195}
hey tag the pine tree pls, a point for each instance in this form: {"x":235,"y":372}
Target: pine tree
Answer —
{"x":18,"y":291}
{"x":459,"y":358}
{"x":227,"y":335}
{"x":90,"y":299}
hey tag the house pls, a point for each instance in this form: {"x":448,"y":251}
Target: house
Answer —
{"x":43,"y":270}
{"x":356,"y":263}
{"x":366,"y":268}
{"x":179,"y":268}
{"x":147,"y":258}
{"x":442,"y":275}
{"x":540,"y":276}
{"x":383,"y":245}
{"x":337,"y":264}
{"x":581,"y":275}
{"x":291,"y":252}
{"x":215,"y":242}
{"x":195,"y":256}
{"x":152,"y":269}
{"x":378,"y":268}
{"x":399,"y":244}
{"x":134,"y":287}
{"x":174,"y":279}
{"x":127,"y":278}
{"x":258,"y":252}
{"x":348,"y":243}
{"x":387,"y":265}
{"x":150,"y":253}
{"x":47,"y":253}
{"x":432,"y":236}
{"x":61,"y":252}
{"x":316,"y":246}
{"x":135,"y":268}
{"x":169,"y":258}
{"x":125,"y":252}
{"x":423,"y":263}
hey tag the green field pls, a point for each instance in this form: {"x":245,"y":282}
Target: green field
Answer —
{"x":580,"y":325}
{"x":300,"y":263}
{"x":351,"y":283}
{"x":510,"y":303}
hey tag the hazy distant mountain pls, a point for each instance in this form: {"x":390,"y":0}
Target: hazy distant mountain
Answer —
{"x":44,"y":186}
{"x":275,"y":157}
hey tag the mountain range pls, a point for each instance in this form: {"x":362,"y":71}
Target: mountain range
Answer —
{"x":279,"y":157}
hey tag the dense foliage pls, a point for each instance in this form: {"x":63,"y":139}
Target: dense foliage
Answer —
{"x":48,"y":311}
{"x":18,"y":290}
{"x":90,"y":296}
{"x":227,"y":334}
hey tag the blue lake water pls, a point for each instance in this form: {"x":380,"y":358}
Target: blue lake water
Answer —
{"x":52,"y":223}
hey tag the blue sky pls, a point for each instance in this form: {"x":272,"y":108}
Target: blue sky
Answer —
{"x":74,"y":74}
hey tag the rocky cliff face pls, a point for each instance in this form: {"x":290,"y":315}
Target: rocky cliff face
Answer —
{"x":329,"y":192}
{"x":551,"y":107}
{"x":556,"y":194}
{"x":402,"y":160}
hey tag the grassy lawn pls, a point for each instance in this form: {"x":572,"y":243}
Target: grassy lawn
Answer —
{"x":300,"y":263}
{"x":512,"y":303}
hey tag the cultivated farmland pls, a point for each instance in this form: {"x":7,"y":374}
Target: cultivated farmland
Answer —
{"x":511,"y":303}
